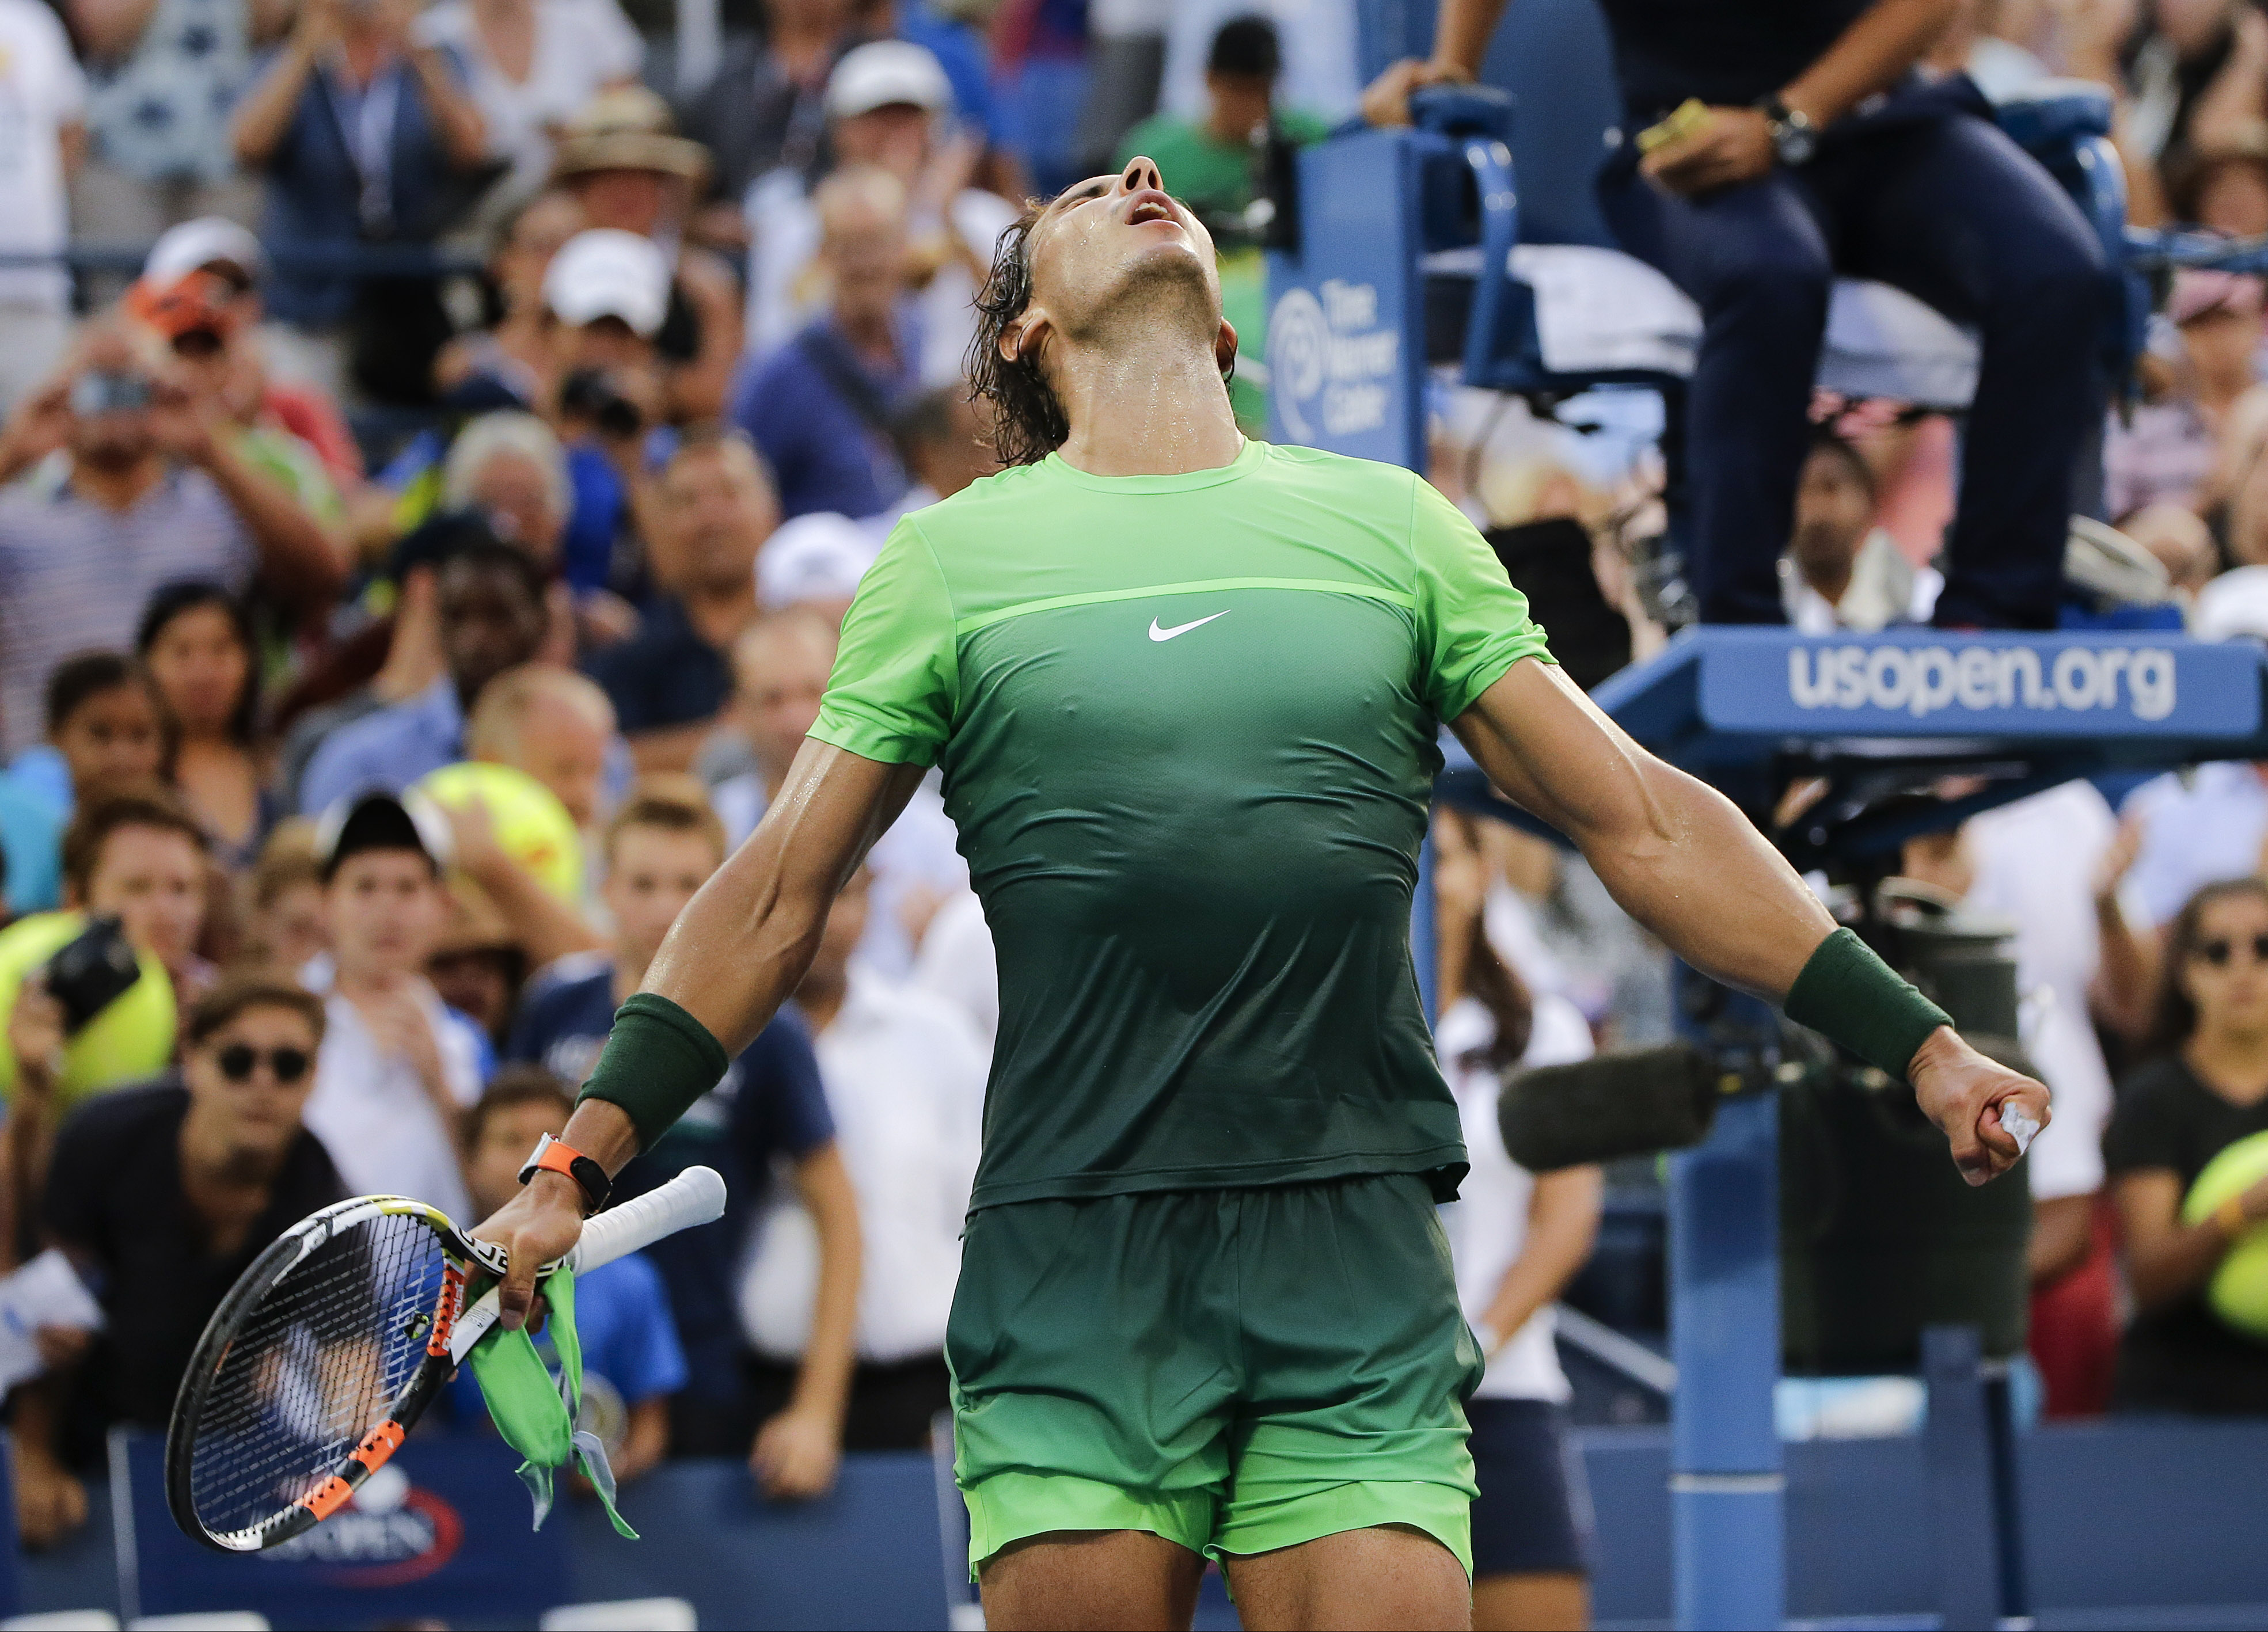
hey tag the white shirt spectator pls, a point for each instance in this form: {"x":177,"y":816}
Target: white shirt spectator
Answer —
{"x":1487,"y":1225}
{"x":957,"y":962}
{"x":41,"y":91}
{"x":372,"y":1115}
{"x":905,"y":1080}
{"x":787,"y":289}
{"x":917,"y":856}
{"x":581,"y":47}
{"x":2034,"y":863}
{"x":2198,"y":827}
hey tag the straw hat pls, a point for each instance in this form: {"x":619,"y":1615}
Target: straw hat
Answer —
{"x":629,"y":128}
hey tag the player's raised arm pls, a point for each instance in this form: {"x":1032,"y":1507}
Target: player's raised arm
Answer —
{"x":1682,"y":860}
{"x":734,"y":956}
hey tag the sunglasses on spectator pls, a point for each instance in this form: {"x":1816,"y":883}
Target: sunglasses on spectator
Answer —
{"x":238,"y":1061}
{"x":2219,"y":950}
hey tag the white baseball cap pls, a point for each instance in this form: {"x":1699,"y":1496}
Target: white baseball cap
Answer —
{"x":885,"y":72}
{"x":818,"y":557}
{"x":603,"y":272}
{"x":2234,"y":606}
{"x":200,"y":243}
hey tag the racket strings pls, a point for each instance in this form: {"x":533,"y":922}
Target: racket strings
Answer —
{"x":314,"y":1367}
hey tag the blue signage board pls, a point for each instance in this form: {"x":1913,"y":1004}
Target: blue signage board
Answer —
{"x":1347,"y":309}
{"x":441,"y":1533}
{"x":1936,"y":683}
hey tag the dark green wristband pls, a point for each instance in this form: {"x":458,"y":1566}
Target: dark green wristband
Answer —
{"x":1855,"y":999}
{"x":657,"y":1061}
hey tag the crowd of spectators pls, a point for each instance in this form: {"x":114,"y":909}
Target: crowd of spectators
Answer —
{"x":392,"y":752}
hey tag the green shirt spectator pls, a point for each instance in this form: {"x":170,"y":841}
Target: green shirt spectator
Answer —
{"x":1208,"y":164}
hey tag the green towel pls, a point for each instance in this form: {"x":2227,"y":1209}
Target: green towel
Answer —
{"x":536,"y":1413}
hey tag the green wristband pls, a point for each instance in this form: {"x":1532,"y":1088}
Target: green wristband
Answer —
{"x":1855,"y":999}
{"x":657,"y":1061}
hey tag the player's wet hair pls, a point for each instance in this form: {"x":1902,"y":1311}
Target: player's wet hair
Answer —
{"x":1028,"y":421}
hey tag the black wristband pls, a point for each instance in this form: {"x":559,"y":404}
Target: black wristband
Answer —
{"x":657,"y":1061}
{"x":1855,"y":999}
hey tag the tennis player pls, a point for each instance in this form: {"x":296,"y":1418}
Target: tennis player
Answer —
{"x":1184,"y":689}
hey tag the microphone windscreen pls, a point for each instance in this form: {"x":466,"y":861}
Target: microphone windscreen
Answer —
{"x":1631,"y":1102}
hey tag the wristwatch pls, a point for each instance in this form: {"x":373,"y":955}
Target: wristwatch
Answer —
{"x":1795,"y":139}
{"x":550,"y":1156}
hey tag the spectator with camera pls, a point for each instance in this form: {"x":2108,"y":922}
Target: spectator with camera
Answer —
{"x":198,"y":318}
{"x":364,"y":135}
{"x":491,"y":612}
{"x":145,"y":488}
{"x":512,"y":358}
{"x":713,"y":508}
{"x":888,"y":105}
{"x":608,"y":295}
{"x":397,"y":1068}
{"x":2207,"y":1089}
{"x":820,"y":408}
{"x":770,"y":1109}
{"x":1764,"y":153}
{"x":92,"y":992}
{"x":222,"y":248}
{"x":162,"y":1195}
{"x":624,"y":163}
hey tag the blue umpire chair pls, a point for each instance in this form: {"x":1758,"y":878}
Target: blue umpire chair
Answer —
{"x":1406,"y":259}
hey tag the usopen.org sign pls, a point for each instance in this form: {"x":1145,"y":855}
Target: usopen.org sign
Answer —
{"x":1931,"y":682}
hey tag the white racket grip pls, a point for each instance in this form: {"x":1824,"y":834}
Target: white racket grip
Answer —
{"x":696,"y":1196}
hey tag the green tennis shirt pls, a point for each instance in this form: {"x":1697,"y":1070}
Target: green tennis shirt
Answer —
{"x":1187,"y":727}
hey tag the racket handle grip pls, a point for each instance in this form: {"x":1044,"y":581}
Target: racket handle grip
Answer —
{"x":696,"y":1196}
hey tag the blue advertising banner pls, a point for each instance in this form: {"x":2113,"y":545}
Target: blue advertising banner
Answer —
{"x":1345,"y":311}
{"x":1932,"y":682}
{"x":441,"y":1531}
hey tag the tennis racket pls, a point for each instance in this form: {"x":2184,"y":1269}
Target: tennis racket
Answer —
{"x":330,"y":1346}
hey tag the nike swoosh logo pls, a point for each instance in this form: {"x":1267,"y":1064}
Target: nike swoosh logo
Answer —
{"x":1183,"y":629}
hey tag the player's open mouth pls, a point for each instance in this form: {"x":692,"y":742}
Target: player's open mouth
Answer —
{"x":1149,"y":205}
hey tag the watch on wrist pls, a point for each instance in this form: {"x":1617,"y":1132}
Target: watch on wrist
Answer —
{"x":551,"y":1155}
{"x":1795,"y":139}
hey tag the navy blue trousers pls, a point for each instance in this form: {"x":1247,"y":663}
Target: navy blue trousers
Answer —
{"x":1939,"y":203}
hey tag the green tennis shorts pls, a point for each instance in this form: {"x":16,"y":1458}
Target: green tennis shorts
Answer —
{"x":1236,"y":1370}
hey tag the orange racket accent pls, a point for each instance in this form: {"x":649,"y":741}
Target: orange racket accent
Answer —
{"x":378,"y":1445}
{"x":445,"y":1318}
{"x":327,"y":1497}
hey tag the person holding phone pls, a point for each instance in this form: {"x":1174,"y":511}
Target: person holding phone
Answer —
{"x":133,"y":870}
{"x":152,"y":491}
{"x":1766,"y":150}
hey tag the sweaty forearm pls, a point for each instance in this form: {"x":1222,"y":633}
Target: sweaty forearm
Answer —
{"x":1703,"y":879}
{"x":740,"y":947}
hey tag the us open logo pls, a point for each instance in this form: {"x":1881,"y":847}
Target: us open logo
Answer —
{"x":1922,"y":681}
{"x":390,"y":1534}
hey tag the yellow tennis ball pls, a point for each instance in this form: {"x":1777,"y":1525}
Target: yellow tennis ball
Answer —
{"x":2238,"y":1291}
{"x":532,"y":825}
